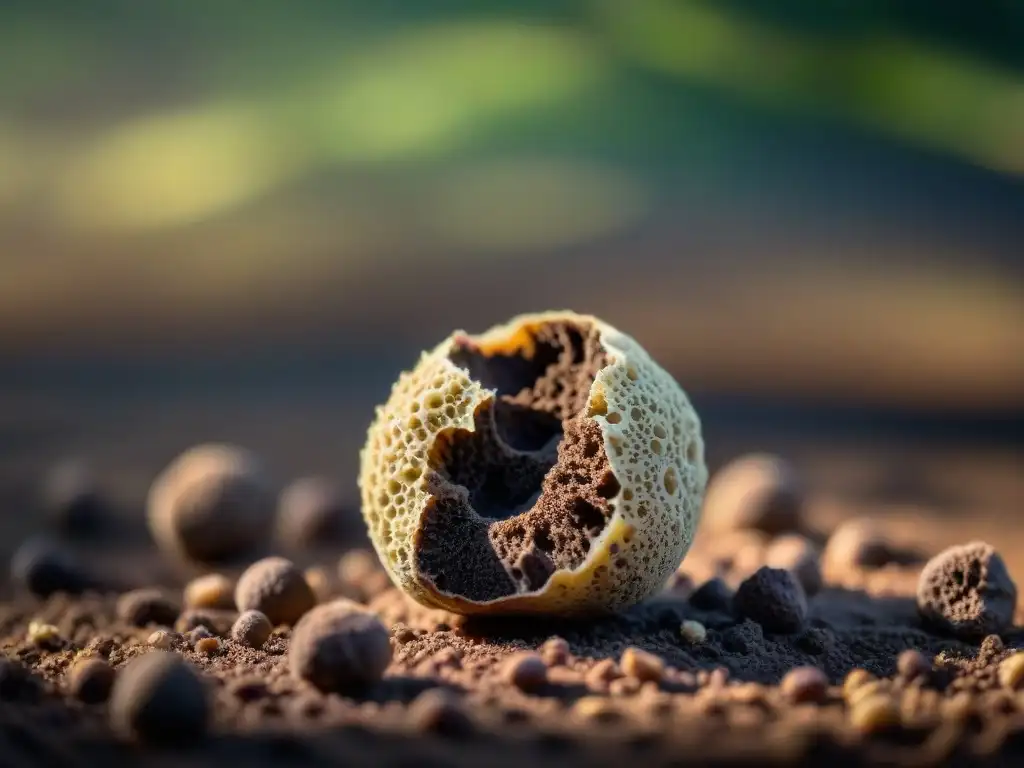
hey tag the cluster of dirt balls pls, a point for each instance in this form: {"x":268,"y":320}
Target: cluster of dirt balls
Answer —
{"x":799,"y":640}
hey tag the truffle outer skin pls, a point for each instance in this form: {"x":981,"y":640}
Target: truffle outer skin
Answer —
{"x":652,"y":437}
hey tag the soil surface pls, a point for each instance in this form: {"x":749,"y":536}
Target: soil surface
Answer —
{"x":709,"y":694}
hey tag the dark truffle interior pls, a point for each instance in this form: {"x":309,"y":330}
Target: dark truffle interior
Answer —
{"x":523,"y":495}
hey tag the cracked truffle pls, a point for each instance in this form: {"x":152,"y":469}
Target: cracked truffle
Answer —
{"x":774,"y":599}
{"x":276,"y":588}
{"x":339,"y":646}
{"x":545,"y":466}
{"x":967,"y":591}
{"x":757,"y":491}
{"x":211,"y":504}
{"x":159,"y":698}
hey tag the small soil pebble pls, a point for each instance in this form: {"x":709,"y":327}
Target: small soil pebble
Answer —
{"x":804,"y":685}
{"x":275,"y":587}
{"x":693,"y":632}
{"x":641,"y":665}
{"x":44,"y":568}
{"x":912,"y":664}
{"x":252,"y":629}
{"x":90,"y":679}
{"x":857,"y":544}
{"x":440,"y":712}
{"x":195,"y":636}
{"x":159,"y":698}
{"x":339,"y":646}
{"x":213,"y":503}
{"x":309,"y":512}
{"x":219,"y":622}
{"x":774,"y":599}
{"x":361,"y":576}
{"x":163,"y":639}
{"x":798,"y":555}
{"x":874,"y":713}
{"x":555,"y":651}
{"x":208,"y":645}
{"x":142,"y":607}
{"x":713,"y":595}
{"x":967,"y":591}
{"x":1011,"y":671}
{"x":757,"y":491}
{"x":319,"y":580}
{"x":212,"y":590}
{"x":72,"y":500}
{"x":526,"y":671}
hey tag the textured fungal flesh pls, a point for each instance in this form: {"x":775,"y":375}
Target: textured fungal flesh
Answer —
{"x":546,"y":465}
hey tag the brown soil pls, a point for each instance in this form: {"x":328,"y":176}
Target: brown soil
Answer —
{"x":448,"y":697}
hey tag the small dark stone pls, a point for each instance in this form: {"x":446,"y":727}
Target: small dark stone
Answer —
{"x":143,"y":607}
{"x":72,"y":501}
{"x":967,"y":591}
{"x":774,"y":599}
{"x":159,"y":698}
{"x":44,"y":569}
{"x":713,"y":595}
{"x":90,"y":680}
{"x":912,"y":664}
{"x":17,"y":683}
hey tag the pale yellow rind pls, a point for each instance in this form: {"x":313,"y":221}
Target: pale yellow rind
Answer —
{"x":652,"y":438}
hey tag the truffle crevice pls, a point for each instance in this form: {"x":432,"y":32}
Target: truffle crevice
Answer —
{"x":523,"y":494}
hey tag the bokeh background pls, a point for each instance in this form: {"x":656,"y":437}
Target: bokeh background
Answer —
{"x":240,"y":220}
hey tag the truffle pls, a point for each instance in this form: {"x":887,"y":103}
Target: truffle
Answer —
{"x":252,"y":629}
{"x":774,"y":599}
{"x":43,"y":568}
{"x":309,"y":511}
{"x":142,"y":607}
{"x":757,"y":491}
{"x":548,"y":465}
{"x":339,"y":646}
{"x":713,"y":595}
{"x":967,"y":591}
{"x":276,"y":588}
{"x":798,"y":555}
{"x":90,"y":680}
{"x":159,"y":698}
{"x":213,"y":503}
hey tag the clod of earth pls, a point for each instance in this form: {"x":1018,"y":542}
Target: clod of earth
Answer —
{"x":548,"y":465}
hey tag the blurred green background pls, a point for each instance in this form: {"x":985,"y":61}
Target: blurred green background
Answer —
{"x":805,"y":199}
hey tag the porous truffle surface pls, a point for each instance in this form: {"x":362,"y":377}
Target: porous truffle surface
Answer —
{"x":339,"y":646}
{"x":276,"y":588}
{"x":159,"y":698}
{"x":774,"y":599}
{"x":546,"y":465}
{"x":213,"y":503}
{"x":967,"y":591}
